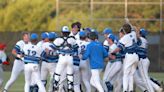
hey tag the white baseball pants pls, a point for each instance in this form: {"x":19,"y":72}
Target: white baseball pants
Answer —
{"x":32,"y":70}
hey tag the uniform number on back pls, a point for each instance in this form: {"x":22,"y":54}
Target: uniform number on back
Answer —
{"x":31,"y":53}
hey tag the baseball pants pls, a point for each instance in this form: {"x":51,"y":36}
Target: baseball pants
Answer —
{"x":85,"y":73}
{"x":18,"y":67}
{"x":48,"y":68}
{"x":32,"y":70}
{"x":95,"y":80}
{"x":129,"y":67}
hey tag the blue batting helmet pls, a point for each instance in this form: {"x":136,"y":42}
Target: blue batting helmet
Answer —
{"x":82,"y":34}
{"x":112,"y":37}
{"x":34,"y":36}
{"x":107,"y":31}
{"x":44,"y":35}
{"x":143,"y":32}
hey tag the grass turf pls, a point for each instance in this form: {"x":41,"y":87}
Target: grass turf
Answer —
{"x":19,"y":84}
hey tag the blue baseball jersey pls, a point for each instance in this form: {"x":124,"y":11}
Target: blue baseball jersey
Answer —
{"x":96,"y":54}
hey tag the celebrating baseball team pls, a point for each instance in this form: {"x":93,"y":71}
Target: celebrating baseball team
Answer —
{"x":75,"y":61}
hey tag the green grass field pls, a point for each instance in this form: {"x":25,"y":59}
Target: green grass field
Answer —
{"x":19,"y":84}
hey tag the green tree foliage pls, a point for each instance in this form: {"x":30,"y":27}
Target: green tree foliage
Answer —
{"x":40,"y":15}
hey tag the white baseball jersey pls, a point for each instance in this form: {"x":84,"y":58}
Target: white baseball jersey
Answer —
{"x":77,"y":37}
{"x":40,"y":43}
{"x":63,"y":43}
{"x":32,"y":53}
{"x":106,"y":45}
{"x":144,"y":43}
{"x":128,"y":39}
{"x":112,"y":48}
{"x":19,"y":46}
{"x":128,"y":42}
{"x":3,"y":56}
{"x":52,"y":55}
{"x":47,"y":45}
{"x":82,"y":46}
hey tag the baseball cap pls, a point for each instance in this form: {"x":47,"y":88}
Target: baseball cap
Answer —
{"x":143,"y":32}
{"x":94,"y":30}
{"x":82,"y":34}
{"x":34,"y":36}
{"x":111,"y":36}
{"x":52,"y":35}
{"x":2,"y":46}
{"x":107,"y":31}
{"x":44,"y":35}
{"x":65,"y":29}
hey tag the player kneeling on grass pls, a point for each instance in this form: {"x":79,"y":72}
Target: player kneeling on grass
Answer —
{"x":31,"y":59}
{"x":96,"y":54}
{"x":3,"y":60}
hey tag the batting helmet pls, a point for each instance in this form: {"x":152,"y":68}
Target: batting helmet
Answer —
{"x":143,"y":32}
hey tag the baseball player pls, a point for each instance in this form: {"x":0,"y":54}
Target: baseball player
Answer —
{"x":115,"y":66}
{"x":31,"y":58}
{"x":76,"y":27}
{"x":49,"y":60}
{"x":18,"y":66}
{"x":66,"y":45}
{"x":44,"y":37}
{"x":106,"y":32}
{"x":144,"y":62}
{"x":75,"y":30}
{"x":84,"y":65}
{"x":76,"y":62}
{"x":96,"y":54}
{"x":3,"y":60}
{"x":128,"y":43}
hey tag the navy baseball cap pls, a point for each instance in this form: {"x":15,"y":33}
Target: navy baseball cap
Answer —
{"x":44,"y":35}
{"x":107,"y":31}
{"x":34,"y":36}
{"x":94,"y":30}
